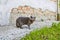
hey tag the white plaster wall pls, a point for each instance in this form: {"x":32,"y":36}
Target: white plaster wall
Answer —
{"x":6,"y":5}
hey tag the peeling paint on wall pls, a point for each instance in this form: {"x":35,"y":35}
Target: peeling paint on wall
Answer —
{"x":7,"y":5}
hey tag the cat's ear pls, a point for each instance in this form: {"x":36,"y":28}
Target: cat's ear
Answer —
{"x":31,"y":17}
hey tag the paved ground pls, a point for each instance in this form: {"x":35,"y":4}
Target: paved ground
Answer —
{"x":13,"y":33}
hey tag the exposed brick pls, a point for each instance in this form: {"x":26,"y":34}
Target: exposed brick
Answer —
{"x":27,"y":11}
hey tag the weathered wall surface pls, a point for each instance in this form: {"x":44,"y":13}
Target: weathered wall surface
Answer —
{"x":54,"y":0}
{"x":7,"y":5}
{"x":26,"y":11}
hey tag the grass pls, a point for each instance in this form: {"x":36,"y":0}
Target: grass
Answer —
{"x":52,"y":33}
